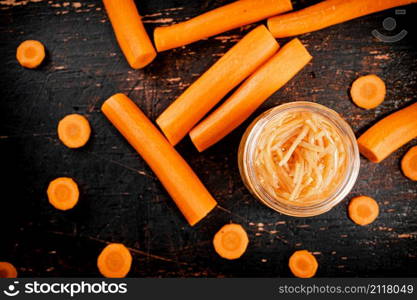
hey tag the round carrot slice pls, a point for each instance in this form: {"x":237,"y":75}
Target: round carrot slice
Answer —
{"x":7,"y":270}
{"x":303,"y":264}
{"x":114,"y":261}
{"x":368,"y":91}
{"x":363,"y":210}
{"x":30,"y":54}
{"x":63,"y":193}
{"x":231,"y":241}
{"x":74,"y":131}
{"x":409,"y":164}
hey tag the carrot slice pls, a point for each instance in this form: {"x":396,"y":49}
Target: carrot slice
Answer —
{"x":219,"y":20}
{"x":327,"y":13}
{"x":231,"y":241}
{"x":7,"y":270}
{"x":30,"y":54}
{"x":368,"y":91}
{"x":190,"y":195}
{"x":270,"y":77}
{"x":130,"y":32}
{"x":409,"y":164}
{"x":389,"y":134}
{"x":74,"y":131}
{"x":63,"y":193}
{"x":363,"y":210}
{"x":238,"y":63}
{"x":114,"y":261}
{"x":303,"y":264}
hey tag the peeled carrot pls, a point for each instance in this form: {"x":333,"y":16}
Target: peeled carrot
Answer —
{"x":7,"y":270}
{"x":238,"y":63}
{"x":409,"y":164}
{"x":190,"y":195}
{"x":270,"y":77}
{"x":389,"y":134}
{"x":74,"y":131}
{"x":363,"y":210}
{"x":327,"y":13}
{"x":231,"y":241}
{"x":303,"y":264}
{"x":130,"y":32}
{"x":63,"y":193}
{"x":216,"y":21}
{"x":368,"y":91}
{"x":30,"y":54}
{"x":114,"y":261}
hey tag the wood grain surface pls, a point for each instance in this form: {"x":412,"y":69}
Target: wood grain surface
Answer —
{"x":122,"y":201}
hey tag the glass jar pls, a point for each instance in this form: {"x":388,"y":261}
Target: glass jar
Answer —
{"x":248,"y":146}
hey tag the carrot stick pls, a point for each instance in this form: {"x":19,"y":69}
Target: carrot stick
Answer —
{"x":7,"y":270}
{"x":327,"y":13}
{"x":389,"y":134}
{"x":238,"y":63}
{"x":270,"y":77}
{"x":303,"y":264}
{"x":63,"y":193}
{"x":30,"y":54}
{"x":74,"y":131}
{"x":231,"y":241}
{"x":368,"y":91}
{"x":114,"y":261}
{"x":363,"y":210}
{"x":409,"y":164}
{"x":190,"y":195}
{"x":216,"y":21}
{"x":130,"y":32}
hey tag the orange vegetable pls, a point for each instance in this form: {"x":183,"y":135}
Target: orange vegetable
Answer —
{"x":389,"y":134}
{"x":114,"y":261}
{"x":130,"y":32}
{"x":74,"y":131}
{"x":30,"y":54}
{"x":409,"y":164}
{"x":270,"y":77}
{"x":363,"y":210}
{"x":7,"y":270}
{"x":327,"y":13}
{"x":190,"y":195}
{"x":231,"y":241}
{"x":303,"y":264}
{"x":63,"y":193}
{"x":368,"y":91}
{"x":238,"y":63}
{"x":219,"y":20}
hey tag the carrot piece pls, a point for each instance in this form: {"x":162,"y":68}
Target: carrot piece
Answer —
{"x":270,"y":77}
{"x":231,"y":241}
{"x":409,"y":164}
{"x":363,"y":210}
{"x":74,"y":131}
{"x":190,"y":195}
{"x":216,"y":21}
{"x":63,"y":193}
{"x":303,"y":264}
{"x":114,"y":261}
{"x":389,"y":134}
{"x":7,"y":270}
{"x":327,"y":13}
{"x":130,"y":32}
{"x":30,"y":54}
{"x":368,"y":91}
{"x":238,"y":63}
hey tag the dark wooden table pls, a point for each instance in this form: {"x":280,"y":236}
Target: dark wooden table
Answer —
{"x":122,"y":201}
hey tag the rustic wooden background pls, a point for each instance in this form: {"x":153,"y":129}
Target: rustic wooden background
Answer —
{"x":122,"y":201}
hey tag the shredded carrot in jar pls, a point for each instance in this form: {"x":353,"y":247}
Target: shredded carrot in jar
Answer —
{"x":300,"y":158}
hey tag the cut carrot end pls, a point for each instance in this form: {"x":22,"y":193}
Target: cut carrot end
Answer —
{"x":74,"y":131}
{"x":30,"y":54}
{"x":409,"y":164}
{"x":231,"y":241}
{"x":368,"y":91}
{"x":63,"y":193}
{"x":7,"y":270}
{"x":114,"y":261}
{"x":303,"y":264}
{"x":363,"y":210}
